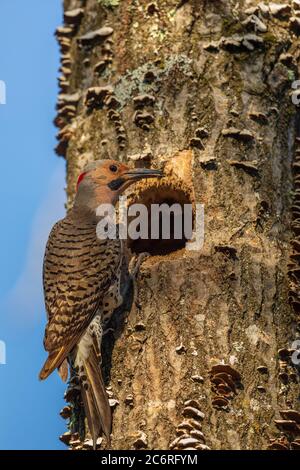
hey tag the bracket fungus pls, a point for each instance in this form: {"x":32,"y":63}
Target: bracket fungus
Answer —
{"x":64,"y":32}
{"x":141,"y":101}
{"x":254,"y":22}
{"x":281,"y":443}
{"x":141,"y":442}
{"x":225,"y":380}
{"x":294,"y":266}
{"x":73,"y":17}
{"x":237,"y":43}
{"x":295,"y":24}
{"x":100,"y":67}
{"x":143,"y":119}
{"x":243,"y":135}
{"x":249,"y":167}
{"x":93,"y":38}
{"x":259,"y":117}
{"x":95,"y":96}
{"x":287,"y":425}
{"x":197,"y":143}
{"x":66,"y":412}
{"x":280,"y":10}
{"x":189,"y":431}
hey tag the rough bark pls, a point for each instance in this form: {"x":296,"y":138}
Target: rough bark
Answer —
{"x":219,"y":81}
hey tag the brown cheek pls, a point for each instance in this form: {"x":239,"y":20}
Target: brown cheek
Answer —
{"x":123,"y":168}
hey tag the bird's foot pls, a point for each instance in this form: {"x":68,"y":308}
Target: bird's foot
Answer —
{"x":107,"y":330}
{"x":73,"y":389}
{"x":135,"y":264}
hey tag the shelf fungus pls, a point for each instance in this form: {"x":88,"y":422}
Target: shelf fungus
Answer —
{"x":259,"y":117}
{"x":180,"y":349}
{"x":228,"y":250}
{"x":65,"y":44}
{"x":143,"y":156}
{"x":209,"y":164}
{"x":66,"y":60}
{"x":189,"y":431}
{"x":113,"y":403}
{"x":143,"y":119}
{"x":225,"y":380}
{"x":95,"y":97}
{"x":295,"y":24}
{"x":76,"y":444}
{"x":263,"y":369}
{"x":212,"y":47}
{"x":220,"y":403}
{"x":141,"y":442}
{"x":295,"y":445}
{"x":293,"y":415}
{"x":184,"y":428}
{"x":100,"y":67}
{"x":74,"y":17}
{"x":66,"y":438}
{"x":141,"y":101}
{"x":129,"y":400}
{"x":64,"y":32}
{"x":114,"y":116}
{"x":237,"y":43}
{"x":65,"y":99}
{"x":63,"y":137}
{"x":63,"y":83}
{"x":243,"y":135}
{"x":254,"y":22}
{"x":192,"y":412}
{"x":93,"y":38}
{"x":281,"y":443}
{"x":288,"y":426}
{"x":88,"y":443}
{"x":201,"y":132}
{"x":196,"y":142}
{"x":294,"y":267}
{"x":249,"y":167}
{"x":66,"y":412}
{"x":112,"y":102}
{"x":281,"y":11}
{"x":197,"y":378}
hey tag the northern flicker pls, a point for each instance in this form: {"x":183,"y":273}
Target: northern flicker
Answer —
{"x":81,"y":278}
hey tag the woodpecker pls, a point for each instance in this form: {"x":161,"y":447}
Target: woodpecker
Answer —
{"x":81,"y":279}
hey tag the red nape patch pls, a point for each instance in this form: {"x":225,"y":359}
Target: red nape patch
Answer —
{"x":80,"y":178}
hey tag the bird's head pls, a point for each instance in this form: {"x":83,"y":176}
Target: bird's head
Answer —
{"x":103,"y":181}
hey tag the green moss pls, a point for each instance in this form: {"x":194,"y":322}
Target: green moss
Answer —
{"x":270,"y":38}
{"x":133,"y":81}
{"x":291,"y":75}
{"x":231,"y":26}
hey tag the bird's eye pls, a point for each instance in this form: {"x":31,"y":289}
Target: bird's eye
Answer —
{"x":113,"y":168}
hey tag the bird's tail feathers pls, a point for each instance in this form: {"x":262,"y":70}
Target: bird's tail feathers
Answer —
{"x":95,"y":400}
{"x":53,"y":361}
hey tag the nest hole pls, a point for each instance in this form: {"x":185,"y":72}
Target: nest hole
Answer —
{"x":167,"y":195}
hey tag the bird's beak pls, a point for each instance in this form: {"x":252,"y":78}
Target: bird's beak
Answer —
{"x":141,"y":173}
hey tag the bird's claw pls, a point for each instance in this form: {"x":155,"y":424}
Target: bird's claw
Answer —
{"x":107,"y":330}
{"x":135,"y":263}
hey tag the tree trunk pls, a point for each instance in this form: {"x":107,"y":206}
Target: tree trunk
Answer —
{"x":203,"y":89}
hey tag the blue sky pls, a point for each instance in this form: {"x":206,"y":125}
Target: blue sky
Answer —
{"x":32,"y":199}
